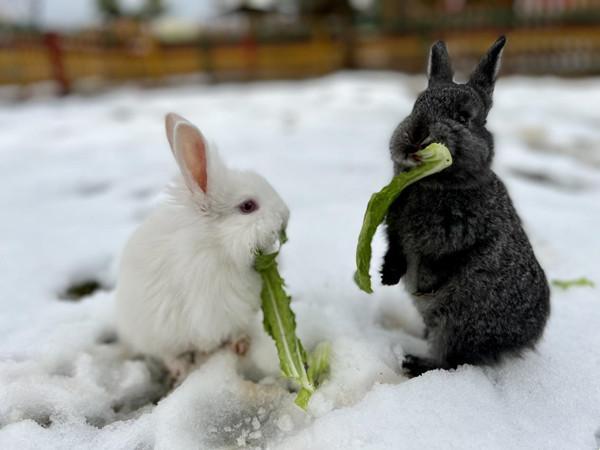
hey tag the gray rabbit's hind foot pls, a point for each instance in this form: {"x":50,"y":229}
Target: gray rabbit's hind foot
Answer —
{"x":413,"y":366}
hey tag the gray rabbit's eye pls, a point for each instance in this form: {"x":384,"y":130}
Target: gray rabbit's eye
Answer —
{"x":248,"y":206}
{"x":463,"y":117}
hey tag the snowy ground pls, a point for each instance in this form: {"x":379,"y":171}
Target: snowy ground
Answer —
{"x":77,"y":176}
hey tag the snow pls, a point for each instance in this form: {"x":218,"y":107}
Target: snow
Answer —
{"x":78,"y":174}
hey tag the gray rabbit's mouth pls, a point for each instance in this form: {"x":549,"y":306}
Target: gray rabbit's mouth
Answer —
{"x":405,"y":164}
{"x":408,"y":157}
{"x":406,"y":161}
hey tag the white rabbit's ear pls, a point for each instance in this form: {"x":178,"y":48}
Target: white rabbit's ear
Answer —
{"x":171,"y":120}
{"x":190,"y":150}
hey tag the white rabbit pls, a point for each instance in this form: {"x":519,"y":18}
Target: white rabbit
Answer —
{"x":186,"y":281}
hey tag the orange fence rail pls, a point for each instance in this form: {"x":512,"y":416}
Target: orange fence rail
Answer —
{"x":70,"y":60}
{"x":560,"y":50}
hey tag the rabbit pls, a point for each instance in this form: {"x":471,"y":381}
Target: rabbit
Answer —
{"x":454,"y":237}
{"x":186,"y":282}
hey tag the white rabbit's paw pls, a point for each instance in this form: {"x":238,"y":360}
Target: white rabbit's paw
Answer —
{"x":240,"y":346}
{"x":180,"y":366}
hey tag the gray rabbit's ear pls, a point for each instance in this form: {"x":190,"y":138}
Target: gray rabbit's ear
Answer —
{"x":484,"y":76}
{"x":439,"y":69}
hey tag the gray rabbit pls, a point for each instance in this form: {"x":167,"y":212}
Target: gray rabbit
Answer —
{"x":455,"y":237}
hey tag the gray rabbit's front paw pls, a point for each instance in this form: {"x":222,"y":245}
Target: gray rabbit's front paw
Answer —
{"x":390,"y":275}
{"x":393,"y":268}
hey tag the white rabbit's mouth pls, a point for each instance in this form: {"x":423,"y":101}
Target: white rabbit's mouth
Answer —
{"x":274,"y":242}
{"x":273,"y":247}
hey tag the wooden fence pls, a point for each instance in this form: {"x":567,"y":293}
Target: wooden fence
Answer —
{"x":34,"y":59}
{"x":573,"y":50}
{"x":560,"y":50}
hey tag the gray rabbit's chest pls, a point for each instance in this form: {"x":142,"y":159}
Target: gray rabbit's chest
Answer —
{"x":415,"y":214}
{"x":423,"y":220}
{"x":437,"y":217}
{"x":409,"y":222}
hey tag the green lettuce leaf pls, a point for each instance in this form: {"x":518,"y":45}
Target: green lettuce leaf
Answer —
{"x":434,"y":158}
{"x":279,"y":322}
{"x":578,"y":282}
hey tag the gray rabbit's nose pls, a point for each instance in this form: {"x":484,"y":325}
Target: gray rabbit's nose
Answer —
{"x":412,"y":149}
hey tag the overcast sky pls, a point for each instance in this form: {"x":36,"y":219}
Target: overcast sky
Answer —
{"x":76,"y":13}
{"x":73,"y":13}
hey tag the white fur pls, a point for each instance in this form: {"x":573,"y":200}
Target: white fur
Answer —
{"x":186,"y":280}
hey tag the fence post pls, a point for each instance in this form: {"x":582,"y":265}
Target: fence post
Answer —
{"x":56,"y":56}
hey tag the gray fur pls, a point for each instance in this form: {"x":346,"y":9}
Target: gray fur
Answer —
{"x":456,"y":237}
{"x":439,"y":68}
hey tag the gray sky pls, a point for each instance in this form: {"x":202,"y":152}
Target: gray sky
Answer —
{"x":73,"y":13}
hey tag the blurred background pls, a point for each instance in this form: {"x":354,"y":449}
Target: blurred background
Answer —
{"x":310,"y":86}
{"x":88,"y":44}
{"x":307,"y":93}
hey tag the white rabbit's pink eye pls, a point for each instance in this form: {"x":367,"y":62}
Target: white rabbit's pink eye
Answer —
{"x":249,"y":206}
